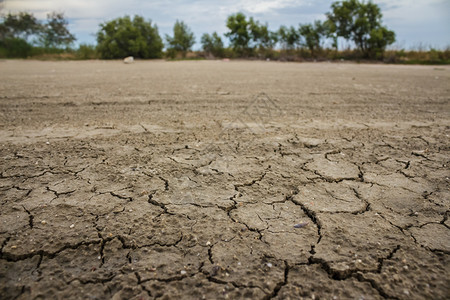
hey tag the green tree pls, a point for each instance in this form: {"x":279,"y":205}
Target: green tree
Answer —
{"x":313,"y":35}
{"x":123,"y":37}
{"x":360,"y":22}
{"x":289,"y":38}
{"x":239,"y":34}
{"x":379,"y":39}
{"x":55,"y":32}
{"x":246,"y":35}
{"x":330,"y":32}
{"x":212,"y":44}
{"x":21,"y":25}
{"x":15,"y":30}
{"x":183,"y":39}
{"x":262,"y":37}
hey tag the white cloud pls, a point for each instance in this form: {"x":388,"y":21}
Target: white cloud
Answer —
{"x":258,"y":7}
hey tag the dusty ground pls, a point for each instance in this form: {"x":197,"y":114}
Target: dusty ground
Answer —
{"x":224,"y":180}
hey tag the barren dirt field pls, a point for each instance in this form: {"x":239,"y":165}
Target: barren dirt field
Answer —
{"x":224,"y":180}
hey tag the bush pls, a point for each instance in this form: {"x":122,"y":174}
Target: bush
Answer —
{"x":15,"y":48}
{"x":123,"y":37}
{"x":86,"y":52}
{"x":431,"y":57}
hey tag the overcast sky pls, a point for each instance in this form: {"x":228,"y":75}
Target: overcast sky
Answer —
{"x":416,"y":22}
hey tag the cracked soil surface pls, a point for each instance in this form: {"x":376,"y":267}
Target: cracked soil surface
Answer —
{"x":224,"y":180}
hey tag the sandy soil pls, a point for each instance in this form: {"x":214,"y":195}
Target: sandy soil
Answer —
{"x":224,"y":180}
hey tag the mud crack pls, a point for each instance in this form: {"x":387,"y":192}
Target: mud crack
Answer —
{"x":156,"y":203}
{"x":279,"y":284}
{"x":356,"y":273}
{"x":30,"y":216}
{"x":310,"y":213}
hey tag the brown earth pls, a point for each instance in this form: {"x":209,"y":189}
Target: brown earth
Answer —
{"x":186,"y":180}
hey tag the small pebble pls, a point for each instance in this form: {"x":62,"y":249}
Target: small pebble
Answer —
{"x":269,"y":265}
{"x":183,"y":272}
{"x":301,"y":225}
{"x":208,"y":243}
{"x":72,"y":226}
{"x":43,"y":222}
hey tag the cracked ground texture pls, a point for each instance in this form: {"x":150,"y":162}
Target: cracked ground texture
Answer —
{"x":185,"y":180}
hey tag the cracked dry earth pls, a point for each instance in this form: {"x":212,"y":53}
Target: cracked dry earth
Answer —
{"x":185,"y":180}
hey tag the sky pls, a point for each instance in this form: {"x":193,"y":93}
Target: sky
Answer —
{"x":417,"y":23}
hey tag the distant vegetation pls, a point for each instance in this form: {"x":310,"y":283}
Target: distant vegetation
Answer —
{"x":181,"y":42}
{"x":22,"y":35}
{"x":358,"y":24}
{"x":124,"y":37}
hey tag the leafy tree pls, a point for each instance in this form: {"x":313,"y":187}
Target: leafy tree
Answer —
{"x":183,"y":39}
{"x":21,"y":25}
{"x":55,"y":32}
{"x":361,"y":23}
{"x":15,"y":30}
{"x":313,"y":35}
{"x":123,"y":37}
{"x":239,"y":34}
{"x":330,"y":32}
{"x":212,"y":44}
{"x":379,"y":39}
{"x":245,"y":34}
{"x":261,"y":35}
{"x":288,"y":37}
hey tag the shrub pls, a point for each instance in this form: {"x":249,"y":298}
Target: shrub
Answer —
{"x":123,"y":37}
{"x":15,"y":48}
{"x":85,"y":51}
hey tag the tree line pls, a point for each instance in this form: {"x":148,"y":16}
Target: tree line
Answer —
{"x":20,"y":32}
{"x":357,"y":22}
{"x":352,"y":20}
